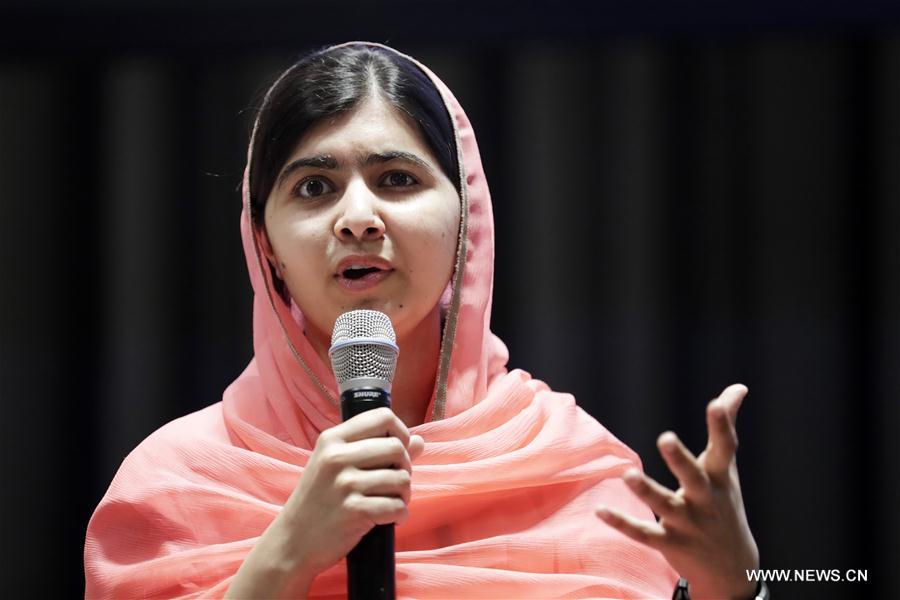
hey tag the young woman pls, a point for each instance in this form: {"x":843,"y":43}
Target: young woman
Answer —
{"x":364,"y":189}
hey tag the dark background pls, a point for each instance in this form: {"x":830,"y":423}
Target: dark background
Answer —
{"x":686,"y":195}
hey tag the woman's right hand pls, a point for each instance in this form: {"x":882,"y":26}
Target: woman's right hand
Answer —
{"x":358,"y":476}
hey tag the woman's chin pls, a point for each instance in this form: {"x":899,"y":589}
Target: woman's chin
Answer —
{"x":406,"y":317}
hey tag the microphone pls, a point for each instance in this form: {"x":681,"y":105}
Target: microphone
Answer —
{"x":363,"y":356}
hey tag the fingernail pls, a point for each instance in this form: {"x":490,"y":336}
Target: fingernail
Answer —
{"x":603,"y":512}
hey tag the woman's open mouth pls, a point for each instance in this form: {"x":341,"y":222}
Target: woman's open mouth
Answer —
{"x":358,"y":272}
{"x":361,"y":275}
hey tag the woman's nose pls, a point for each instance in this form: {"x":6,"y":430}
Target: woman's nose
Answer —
{"x":359,"y":219}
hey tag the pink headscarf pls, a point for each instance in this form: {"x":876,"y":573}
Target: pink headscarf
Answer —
{"x":503,"y":495}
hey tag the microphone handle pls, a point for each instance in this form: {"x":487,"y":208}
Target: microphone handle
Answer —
{"x":370,"y":565}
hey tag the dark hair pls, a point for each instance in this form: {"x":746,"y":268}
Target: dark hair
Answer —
{"x":333,"y":81}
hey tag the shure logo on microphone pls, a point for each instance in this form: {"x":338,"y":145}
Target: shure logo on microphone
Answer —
{"x":366,"y":394}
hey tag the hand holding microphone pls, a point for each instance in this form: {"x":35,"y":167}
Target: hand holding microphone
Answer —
{"x":357,"y":477}
{"x":355,"y":484}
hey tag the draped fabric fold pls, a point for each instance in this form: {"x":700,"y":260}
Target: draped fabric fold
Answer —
{"x":502,"y":496}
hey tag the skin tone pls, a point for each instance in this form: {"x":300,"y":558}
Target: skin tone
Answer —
{"x":358,"y":476}
{"x":362,"y":185}
{"x":355,"y":203}
{"x":702,"y":530}
{"x":366,"y":184}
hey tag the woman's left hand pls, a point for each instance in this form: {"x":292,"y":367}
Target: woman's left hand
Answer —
{"x":702,"y":529}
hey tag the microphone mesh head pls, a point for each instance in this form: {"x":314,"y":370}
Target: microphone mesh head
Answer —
{"x":363,"y":346}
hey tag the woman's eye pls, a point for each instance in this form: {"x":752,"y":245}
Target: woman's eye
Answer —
{"x":313,"y":187}
{"x":399,"y":179}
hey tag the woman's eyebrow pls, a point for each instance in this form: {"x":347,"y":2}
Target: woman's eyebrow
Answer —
{"x":323,"y":161}
{"x":383,"y":157}
{"x":326,"y":161}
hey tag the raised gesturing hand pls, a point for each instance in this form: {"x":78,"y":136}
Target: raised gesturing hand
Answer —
{"x":702,"y":529}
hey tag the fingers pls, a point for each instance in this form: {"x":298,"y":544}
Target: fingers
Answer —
{"x":379,"y":482}
{"x":702,"y":525}
{"x":416,"y":446}
{"x":683,"y":465}
{"x":661,"y":500}
{"x":721,"y":415}
{"x":380,"y":510}
{"x":646,"y":532}
{"x":732,"y":397}
{"x":370,"y":453}
{"x":380,"y":422}
{"x":722,"y":439}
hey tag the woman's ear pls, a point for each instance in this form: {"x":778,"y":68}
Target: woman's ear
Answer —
{"x":274,"y":266}
{"x":268,"y":251}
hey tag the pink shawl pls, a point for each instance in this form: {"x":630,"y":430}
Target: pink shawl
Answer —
{"x":502,"y":497}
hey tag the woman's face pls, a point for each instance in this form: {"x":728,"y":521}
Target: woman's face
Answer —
{"x":361,"y":216}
